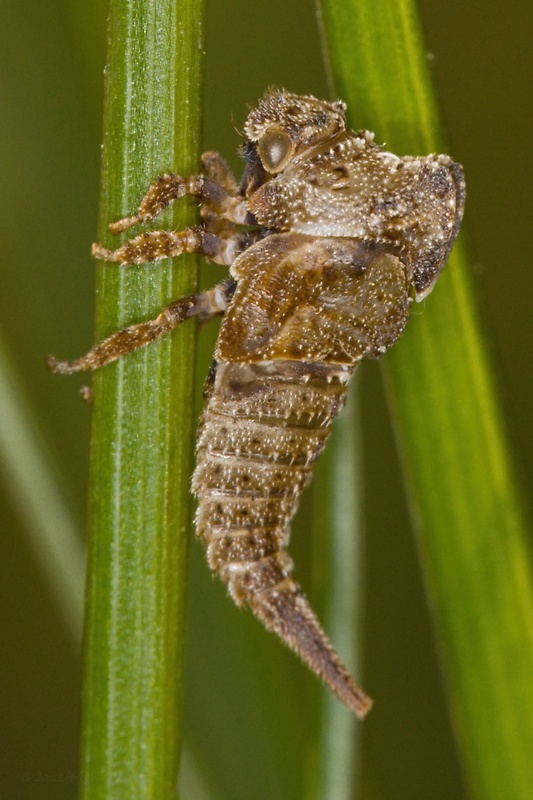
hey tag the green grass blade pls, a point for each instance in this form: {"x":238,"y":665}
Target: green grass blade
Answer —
{"x":142,"y":423}
{"x":33,"y":483}
{"x":449,"y":424}
{"x":337,"y":568}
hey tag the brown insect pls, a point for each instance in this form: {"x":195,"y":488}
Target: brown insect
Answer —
{"x":327,"y":236}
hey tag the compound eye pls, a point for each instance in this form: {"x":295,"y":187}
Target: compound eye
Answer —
{"x":275,"y":149}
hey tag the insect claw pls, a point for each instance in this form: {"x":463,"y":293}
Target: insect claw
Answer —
{"x":87,"y":393}
{"x":102,"y":253}
{"x":60,"y":367}
{"x":124,"y":224}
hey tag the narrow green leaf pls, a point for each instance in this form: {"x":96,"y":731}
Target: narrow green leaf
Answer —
{"x":462,"y":486}
{"x":337,"y":546}
{"x":33,"y":483}
{"x":142,"y":424}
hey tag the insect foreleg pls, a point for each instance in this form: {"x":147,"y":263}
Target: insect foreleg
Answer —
{"x":222,"y":199}
{"x":215,"y":168}
{"x":154,"y":245}
{"x":205,"y":305}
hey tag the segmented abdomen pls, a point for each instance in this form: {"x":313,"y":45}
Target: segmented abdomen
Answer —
{"x":263,"y":427}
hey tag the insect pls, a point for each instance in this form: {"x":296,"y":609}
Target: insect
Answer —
{"x":327,"y":237}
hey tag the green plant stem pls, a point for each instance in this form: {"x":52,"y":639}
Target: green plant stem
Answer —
{"x":462,"y":486}
{"x":142,"y":423}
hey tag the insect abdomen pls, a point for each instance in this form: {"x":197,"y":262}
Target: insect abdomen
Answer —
{"x":264,"y":426}
{"x":260,"y":435}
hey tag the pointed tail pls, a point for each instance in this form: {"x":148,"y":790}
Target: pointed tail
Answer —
{"x":285,"y":610}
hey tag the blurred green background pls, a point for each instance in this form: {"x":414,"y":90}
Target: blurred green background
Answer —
{"x":52,"y":58}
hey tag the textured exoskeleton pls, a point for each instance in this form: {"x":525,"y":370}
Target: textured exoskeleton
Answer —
{"x":334,"y":237}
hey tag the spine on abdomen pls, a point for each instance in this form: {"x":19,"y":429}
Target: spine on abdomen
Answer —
{"x":263,"y":428}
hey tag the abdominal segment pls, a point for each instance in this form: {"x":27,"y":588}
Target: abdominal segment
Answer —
{"x":263,"y":427}
{"x":260,"y":436}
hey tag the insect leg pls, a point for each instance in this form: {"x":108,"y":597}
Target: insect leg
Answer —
{"x":171,"y":187}
{"x":205,"y":305}
{"x":216,"y":169}
{"x":154,"y":245}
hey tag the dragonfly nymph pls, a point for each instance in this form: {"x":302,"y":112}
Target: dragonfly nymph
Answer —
{"x":328,"y":237}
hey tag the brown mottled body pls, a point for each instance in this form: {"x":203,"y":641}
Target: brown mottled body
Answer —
{"x":340,"y":235}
